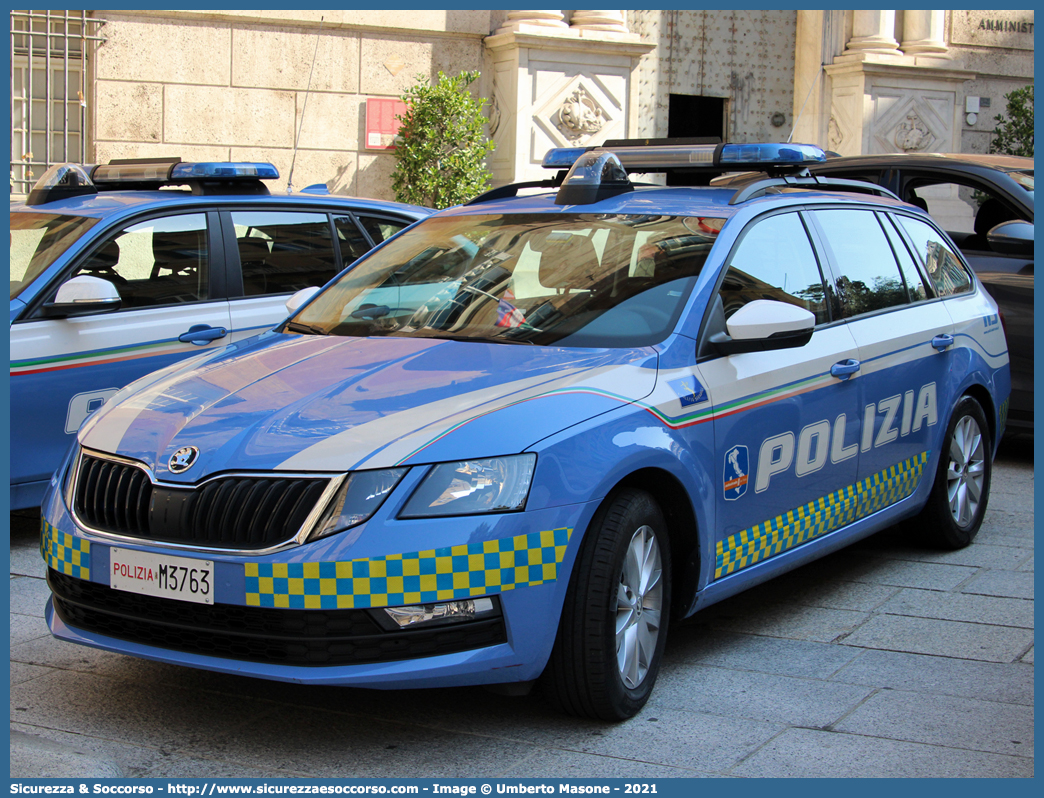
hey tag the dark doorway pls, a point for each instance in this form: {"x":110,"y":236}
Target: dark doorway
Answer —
{"x":689,"y":116}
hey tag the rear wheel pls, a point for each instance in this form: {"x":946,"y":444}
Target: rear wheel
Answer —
{"x":614,"y":622}
{"x":954,"y":511}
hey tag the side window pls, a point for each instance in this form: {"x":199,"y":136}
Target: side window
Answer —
{"x":158,"y":262}
{"x":945,"y":270}
{"x":283,"y":251}
{"x":911,"y":276}
{"x":966,"y":212}
{"x":775,"y":260}
{"x":351,"y":239}
{"x":868,"y":275}
{"x":381,"y":229}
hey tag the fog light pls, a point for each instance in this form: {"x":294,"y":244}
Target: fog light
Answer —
{"x":445,"y":612}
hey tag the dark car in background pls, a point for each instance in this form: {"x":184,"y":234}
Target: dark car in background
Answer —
{"x":969,"y":195}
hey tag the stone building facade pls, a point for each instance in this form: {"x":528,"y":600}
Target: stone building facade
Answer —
{"x":292,"y":87}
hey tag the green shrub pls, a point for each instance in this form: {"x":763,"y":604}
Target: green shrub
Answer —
{"x":442,"y":147}
{"x":1014,"y":134}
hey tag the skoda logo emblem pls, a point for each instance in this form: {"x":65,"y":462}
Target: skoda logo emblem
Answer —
{"x":183,"y":459}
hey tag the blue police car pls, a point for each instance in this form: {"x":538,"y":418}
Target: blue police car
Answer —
{"x":519,"y":440}
{"x":115,"y":273}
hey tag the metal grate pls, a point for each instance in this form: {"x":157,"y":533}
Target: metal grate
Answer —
{"x":235,"y":512}
{"x":259,"y":634}
{"x":49,"y":60}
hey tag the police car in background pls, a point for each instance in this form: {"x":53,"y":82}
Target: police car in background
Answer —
{"x":112,"y":277}
{"x":594,"y":411}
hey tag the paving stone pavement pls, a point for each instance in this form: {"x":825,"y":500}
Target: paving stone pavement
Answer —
{"x":884,"y":659}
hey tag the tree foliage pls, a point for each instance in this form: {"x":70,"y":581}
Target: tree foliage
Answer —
{"x":442,"y":146}
{"x":1014,"y":133}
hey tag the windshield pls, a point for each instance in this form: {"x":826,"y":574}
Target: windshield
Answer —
{"x":37,"y":240}
{"x":592,"y":280}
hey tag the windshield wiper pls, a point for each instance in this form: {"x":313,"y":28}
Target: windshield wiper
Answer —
{"x":294,"y":326}
{"x":482,"y":339}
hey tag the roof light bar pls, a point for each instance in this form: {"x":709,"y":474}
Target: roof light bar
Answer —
{"x":224,"y":171}
{"x":640,"y":158}
{"x":62,"y":181}
{"x":595,"y":176}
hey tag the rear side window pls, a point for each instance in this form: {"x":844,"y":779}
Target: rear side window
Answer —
{"x":914,"y":282}
{"x":868,"y":274}
{"x":282,"y":252}
{"x":947,"y":274}
{"x":775,"y":260}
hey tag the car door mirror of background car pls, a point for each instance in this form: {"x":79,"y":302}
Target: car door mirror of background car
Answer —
{"x":763,"y":325}
{"x":297,"y":301}
{"x":82,"y":295}
{"x":1012,"y":238}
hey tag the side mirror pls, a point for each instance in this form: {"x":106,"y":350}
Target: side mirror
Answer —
{"x":764,"y":325}
{"x":83,"y":295}
{"x":297,"y":301}
{"x":1012,"y":238}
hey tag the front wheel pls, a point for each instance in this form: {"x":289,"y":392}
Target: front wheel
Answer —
{"x":614,"y":621}
{"x":957,"y":504}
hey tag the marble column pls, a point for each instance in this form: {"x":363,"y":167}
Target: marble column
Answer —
{"x":543,"y":19}
{"x":614,"y":21}
{"x":923,"y":33}
{"x":872,"y":32}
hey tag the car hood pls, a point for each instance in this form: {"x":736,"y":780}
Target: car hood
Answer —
{"x":311,"y":403}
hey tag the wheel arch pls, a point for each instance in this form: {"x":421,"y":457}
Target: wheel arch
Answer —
{"x":982,"y":395}
{"x":682,"y":529}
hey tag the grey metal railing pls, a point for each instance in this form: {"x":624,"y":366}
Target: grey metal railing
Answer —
{"x":49,"y":88}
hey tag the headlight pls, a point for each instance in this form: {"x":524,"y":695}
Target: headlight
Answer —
{"x":360,"y":496}
{"x":471,"y":487}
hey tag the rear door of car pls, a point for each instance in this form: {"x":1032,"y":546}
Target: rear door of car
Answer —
{"x":275,"y":252}
{"x":168,"y":273}
{"x":906,"y":340}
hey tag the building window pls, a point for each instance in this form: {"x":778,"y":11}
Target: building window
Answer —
{"x":49,"y":52}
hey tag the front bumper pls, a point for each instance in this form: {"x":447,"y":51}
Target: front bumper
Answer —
{"x":278,"y":617}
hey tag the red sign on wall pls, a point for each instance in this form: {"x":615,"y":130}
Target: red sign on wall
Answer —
{"x":382,"y":127}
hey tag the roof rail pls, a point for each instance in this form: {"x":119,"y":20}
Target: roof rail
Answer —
{"x":511,"y":189}
{"x":760,"y":186}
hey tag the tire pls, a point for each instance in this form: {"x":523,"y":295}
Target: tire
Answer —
{"x":594,"y":671}
{"x":955,"y":508}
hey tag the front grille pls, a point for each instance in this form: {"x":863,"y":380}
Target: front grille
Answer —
{"x":238,"y":512}
{"x":257,"y":634}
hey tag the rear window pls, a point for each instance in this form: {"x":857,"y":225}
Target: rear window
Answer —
{"x":38,"y":240}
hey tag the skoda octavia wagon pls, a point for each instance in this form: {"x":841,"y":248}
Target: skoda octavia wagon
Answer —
{"x":519,"y":440}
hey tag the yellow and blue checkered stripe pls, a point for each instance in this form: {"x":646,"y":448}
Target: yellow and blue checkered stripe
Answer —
{"x":64,"y":553}
{"x":819,"y":517}
{"x":419,"y":577}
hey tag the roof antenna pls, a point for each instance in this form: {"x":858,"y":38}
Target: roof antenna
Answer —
{"x":814,"y":82}
{"x":304,"y":106}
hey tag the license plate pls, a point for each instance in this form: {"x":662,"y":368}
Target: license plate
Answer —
{"x":180,"y":578}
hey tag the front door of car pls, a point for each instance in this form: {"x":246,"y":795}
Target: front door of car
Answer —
{"x":63,"y":369}
{"x":905,"y":344}
{"x":786,"y":422}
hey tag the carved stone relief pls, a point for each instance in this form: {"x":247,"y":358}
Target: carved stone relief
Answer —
{"x":912,"y":134}
{"x":579,"y":116}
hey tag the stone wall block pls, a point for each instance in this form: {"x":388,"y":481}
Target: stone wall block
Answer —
{"x":390,"y":66}
{"x":164,"y":51}
{"x":331,"y":121}
{"x":105,"y":151}
{"x":335,"y":168}
{"x":282,"y":59}
{"x":128,"y":111}
{"x":227,"y":116}
{"x":374,"y":177}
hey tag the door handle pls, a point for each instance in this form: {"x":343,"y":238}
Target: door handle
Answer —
{"x":202,"y":334}
{"x":844,"y":369}
{"x":941,"y":342}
